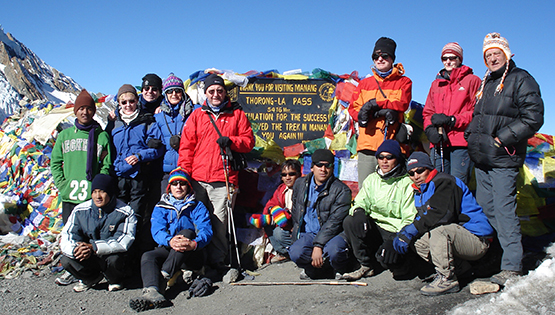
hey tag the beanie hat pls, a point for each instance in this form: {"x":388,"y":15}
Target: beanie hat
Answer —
{"x":84,"y":99}
{"x":173,"y":82}
{"x":391,"y":146}
{"x":127,"y":88}
{"x":105,"y":183}
{"x":152,"y":79}
{"x":385,"y":45}
{"x":213,"y":79}
{"x":494,"y":40}
{"x":419,"y":159}
{"x":178,"y":174}
{"x":322,"y":155}
{"x":453,"y":48}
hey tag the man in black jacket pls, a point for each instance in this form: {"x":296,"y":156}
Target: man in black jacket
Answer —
{"x":509,"y":110}
{"x":320,"y":203}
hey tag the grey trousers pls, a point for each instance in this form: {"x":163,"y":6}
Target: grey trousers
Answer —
{"x":367,"y":164}
{"x":446,"y":246}
{"x":496,"y":193}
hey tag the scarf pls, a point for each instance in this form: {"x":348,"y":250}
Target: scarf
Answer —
{"x":129,"y":118}
{"x":397,"y":171}
{"x":217,"y":109}
{"x":91,"y":146}
{"x":382,"y":74}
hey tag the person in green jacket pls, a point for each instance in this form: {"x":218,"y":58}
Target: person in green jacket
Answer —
{"x":382,"y":207}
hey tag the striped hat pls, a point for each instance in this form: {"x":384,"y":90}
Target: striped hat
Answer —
{"x":453,"y":48}
{"x":173,"y":82}
{"x":494,"y":40}
{"x":178,"y":174}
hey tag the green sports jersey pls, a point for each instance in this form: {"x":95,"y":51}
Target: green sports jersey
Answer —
{"x":69,"y":162}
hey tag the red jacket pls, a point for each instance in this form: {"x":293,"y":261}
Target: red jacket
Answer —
{"x":454,"y":97}
{"x":199,"y":154}
{"x":278,"y":199}
{"x":398,"y":90}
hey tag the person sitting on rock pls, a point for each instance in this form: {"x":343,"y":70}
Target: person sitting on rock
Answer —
{"x":181,"y":226}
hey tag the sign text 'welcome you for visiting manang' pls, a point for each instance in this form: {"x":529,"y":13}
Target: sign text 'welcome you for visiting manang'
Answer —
{"x":288,"y":111}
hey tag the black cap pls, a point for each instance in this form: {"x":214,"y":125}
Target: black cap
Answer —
{"x":152,"y":79}
{"x":322,"y":155}
{"x":385,"y":45}
{"x":105,"y":183}
{"x":213,"y":79}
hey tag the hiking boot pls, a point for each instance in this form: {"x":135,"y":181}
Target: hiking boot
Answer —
{"x":502,"y":277}
{"x":65,"y":279}
{"x":82,"y":286}
{"x":150,"y":299}
{"x":304,"y":276}
{"x":278,"y":259}
{"x":441,"y":285}
{"x":114,"y":287}
{"x":363,"y":271}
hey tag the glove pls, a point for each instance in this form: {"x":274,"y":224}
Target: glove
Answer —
{"x":365,"y":112}
{"x":439,"y":120}
{"x":403,"y":238}
{"x":154,"y":143}
{"x":389,"y":115}
{"x":386,"y":254}
{"x":280,"y":216}
{"x":260,"y":220}
{"x":200,"y":287}
{"x":404,"y":133}
{"x":224,"y":142}
{"x":434,"y":136}
{"x":175,"y":140}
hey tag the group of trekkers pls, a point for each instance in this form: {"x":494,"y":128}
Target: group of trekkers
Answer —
{"x":159,"y":182}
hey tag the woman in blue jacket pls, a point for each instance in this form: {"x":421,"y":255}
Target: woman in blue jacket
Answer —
{"x":181,"y":226}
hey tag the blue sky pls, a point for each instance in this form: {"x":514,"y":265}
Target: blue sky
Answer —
{"x":104,"y":44}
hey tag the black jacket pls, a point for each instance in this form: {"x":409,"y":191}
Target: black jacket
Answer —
{"x":332,"y":207}
{"x":514,"y":115}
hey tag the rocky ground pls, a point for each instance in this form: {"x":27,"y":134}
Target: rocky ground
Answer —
{"x":29,"y":294}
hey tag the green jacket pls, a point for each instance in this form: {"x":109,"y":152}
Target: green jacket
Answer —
{"x":389,"y":202}
{"x":69,"y":163}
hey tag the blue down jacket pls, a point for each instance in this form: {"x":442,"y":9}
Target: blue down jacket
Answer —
{"x":166,"y":221}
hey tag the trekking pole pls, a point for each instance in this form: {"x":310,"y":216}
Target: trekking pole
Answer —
{"x":385,"y":132}
{"x":440,"y":131}
{"x":230,"y":221}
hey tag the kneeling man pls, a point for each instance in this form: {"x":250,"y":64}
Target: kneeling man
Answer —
{"x":450,"y":227}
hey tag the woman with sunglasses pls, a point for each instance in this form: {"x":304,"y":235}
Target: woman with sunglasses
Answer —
{"x":382,"y":207}
{"x":181,"y":228}
{"x":448,"y":111}
{"x":378,"y":104}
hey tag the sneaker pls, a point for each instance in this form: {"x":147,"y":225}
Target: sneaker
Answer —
{"x":278,"y":259}
{"x":363,"y":271}
{"x":65,"y":279}
{"x":81,"y":286}
{"x":114,"y":287}
{"x":502,"y":277}
{"x":150,"y":299}
{"x":441,"y":285}
{"x":304,"y":276}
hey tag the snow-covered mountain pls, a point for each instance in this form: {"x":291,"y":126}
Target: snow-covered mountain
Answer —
{"x":25,"y":78}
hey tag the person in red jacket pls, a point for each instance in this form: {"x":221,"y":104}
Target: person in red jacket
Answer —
{"x":378,"y":104}
{"x":448,"y":111}
{"x":199,"y":155}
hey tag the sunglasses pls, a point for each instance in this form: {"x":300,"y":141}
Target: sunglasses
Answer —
{"x":130,"y":102}
{"x":288,"y":174}
{"x":173,"y":91}
{"x":388,"y":157}
{"x":376,"y":56}
{"x":179,"y":182}
{"x":419,"y":170}
{"x":452,"y":58}
{"x":151,"y":88}
{"x":320,"y":164}
{"x":216,"y":91}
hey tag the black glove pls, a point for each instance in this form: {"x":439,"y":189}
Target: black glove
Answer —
{"x":365,"y":112}
{"x":439,"y":120}
{"x":154,"y":143}
{"x":224,"y":142}
{"x":389,"y":115}
{"x":434,"y":136}
{"x":175,"y":140}
{"x":386,"y":254}
{"x":200,"y":287}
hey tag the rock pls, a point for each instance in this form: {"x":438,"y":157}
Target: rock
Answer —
{"x":231,"y":276}
{"x":482,"y":287}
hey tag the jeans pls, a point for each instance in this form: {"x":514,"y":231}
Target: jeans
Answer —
{"x":335,"y":252}
{"x":279,"y":238}
{"x":456,"y":161}
{"x":113,"y":267}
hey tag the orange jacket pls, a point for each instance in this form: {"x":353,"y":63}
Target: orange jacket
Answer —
{"x":398,"y":90}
